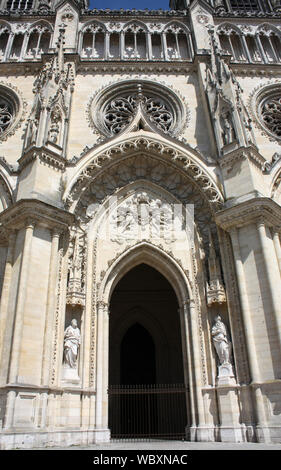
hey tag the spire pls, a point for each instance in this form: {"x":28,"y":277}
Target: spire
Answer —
{"x":48,"y":121}
{"x":231,"y":122}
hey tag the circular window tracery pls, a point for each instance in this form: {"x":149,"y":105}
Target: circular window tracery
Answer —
{"x":265,"y":106}
{"x":120,"y":112}
{"x":270,"y":113}
{"x":6,"y":114}
{"x":115,"y":107}
{"x":11,"y":110}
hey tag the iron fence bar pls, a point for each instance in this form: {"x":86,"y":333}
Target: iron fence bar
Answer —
{"x":147,"y":411}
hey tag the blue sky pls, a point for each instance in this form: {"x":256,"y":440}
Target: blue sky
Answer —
{"x":129,"y":4}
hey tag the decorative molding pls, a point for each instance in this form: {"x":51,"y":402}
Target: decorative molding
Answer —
{"x":136,"y":66}
{"x":249,"y":212}
{"x":245,"y":153}
{"x":176,"y":157}
{"x":44,"y":156}
{"x":43,"y":214}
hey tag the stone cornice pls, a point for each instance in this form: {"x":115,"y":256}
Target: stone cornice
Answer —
{"x":133,"y":13}
{"x":136,"y":66}
{"x":247,"y":14}
{"x":44,"y":155}
{"x":38,"y":212}
{"x":249,"y":212}
{"x":243,"y":153}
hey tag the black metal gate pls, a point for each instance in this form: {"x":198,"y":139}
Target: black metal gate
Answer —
{"x":147,"y":411}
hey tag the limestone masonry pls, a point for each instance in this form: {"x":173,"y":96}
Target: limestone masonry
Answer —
{"x":140,"y":219}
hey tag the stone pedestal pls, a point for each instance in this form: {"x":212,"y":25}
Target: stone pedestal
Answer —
{"x":70,"y":375}
{"x":230,"y":428}
{"x":226,"y":375}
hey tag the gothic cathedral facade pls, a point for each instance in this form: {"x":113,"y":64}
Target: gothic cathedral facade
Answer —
{"x":140,"y":219}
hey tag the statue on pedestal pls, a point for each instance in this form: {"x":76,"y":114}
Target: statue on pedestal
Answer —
{"x":72,"y":341}
{"x":221,"y":341}
{"x":222,"y":346}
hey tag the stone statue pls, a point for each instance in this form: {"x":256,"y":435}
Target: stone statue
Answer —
{"x":33,"y":130}
{"x":228,"y":132}
{"x":72,"y":341}
{"x":221,"y":342}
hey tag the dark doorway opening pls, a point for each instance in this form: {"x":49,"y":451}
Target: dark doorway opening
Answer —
{"x":138,"y":365}
{"x":147,"y":393}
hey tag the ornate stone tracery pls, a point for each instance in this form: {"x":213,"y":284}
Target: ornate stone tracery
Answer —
{"x":120,"y":111}
{"x":114,"y":107}
{"x":6,"y":115}
{"x":265,"y":107}
{"x":270,"y":110}
{"x":12,"y":110}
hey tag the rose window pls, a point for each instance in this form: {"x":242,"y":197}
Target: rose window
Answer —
{"x":120,"y":112}
{"x":115,"y":107}
{"x":270,"y":112}
{"x":6,"y":115}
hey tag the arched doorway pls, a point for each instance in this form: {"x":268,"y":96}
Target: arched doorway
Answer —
{"x":137,"y":357}
{"x":147,"y":394}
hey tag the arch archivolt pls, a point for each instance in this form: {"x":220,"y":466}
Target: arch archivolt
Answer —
{"x":275,"y":190}
{"x":153,"y":255}
{"x":6,"y":191}
{"x":182,"y":160}
{"x":140,"y":171}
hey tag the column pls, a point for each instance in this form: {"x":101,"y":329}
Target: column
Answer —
{"x":274,"y":283}
{"x":246,"y":49}
{"x":9,"y":47}
{"x":15,"y":353}
{"x":260,"y":46}
{"x":105,"y":366}
{"x":6,"y":329}
{"x":276,"y":241}
{"x":148,"y":46}
{"x":107,"y":46}
{"x":196,"y":354}
{"x":24,"y":46}
{"x":101,"y":370}
{"x":249,"y":334}
{"x":99,"y":365}
{"x":164,"y":46}
{"x":185,"y":335}
{"x":246,"y":313}
{"x":50,"y":308}
{"x":122,"y":45}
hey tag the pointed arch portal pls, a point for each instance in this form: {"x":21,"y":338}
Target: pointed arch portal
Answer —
{"x":147,"y":394}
